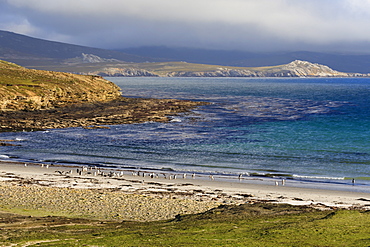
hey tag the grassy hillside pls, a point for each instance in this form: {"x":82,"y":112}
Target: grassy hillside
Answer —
{"x":244,"y":225}
{"x":26,"y":89}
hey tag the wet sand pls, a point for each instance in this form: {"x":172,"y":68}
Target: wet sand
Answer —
{"x":128,"y":194}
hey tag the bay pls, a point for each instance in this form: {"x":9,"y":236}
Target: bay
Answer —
{"x":309,"y":129}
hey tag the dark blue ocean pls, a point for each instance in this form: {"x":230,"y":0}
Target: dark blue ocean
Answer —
{"x":309,"y":129}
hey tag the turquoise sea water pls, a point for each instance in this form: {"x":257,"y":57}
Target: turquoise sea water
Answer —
{"x":302,"y":129}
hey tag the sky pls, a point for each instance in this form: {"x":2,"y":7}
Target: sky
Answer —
{"x":248,"y":25}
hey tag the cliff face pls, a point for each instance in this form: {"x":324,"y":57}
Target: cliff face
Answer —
{"x":26,"y":89}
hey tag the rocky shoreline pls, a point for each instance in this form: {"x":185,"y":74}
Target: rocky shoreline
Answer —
{"x":93,"y":115}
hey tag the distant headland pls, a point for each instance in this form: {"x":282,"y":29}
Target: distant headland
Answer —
{"x":296,"y":68}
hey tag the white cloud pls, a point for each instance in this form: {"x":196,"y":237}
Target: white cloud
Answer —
{"x":218,"y":23}
{"x":358,"y":6}
{"x":21,"y":26}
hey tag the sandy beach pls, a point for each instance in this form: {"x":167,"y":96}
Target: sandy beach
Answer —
{"x":128,"y":194}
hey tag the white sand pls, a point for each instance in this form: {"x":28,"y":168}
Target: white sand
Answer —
{"x":199,"y":188}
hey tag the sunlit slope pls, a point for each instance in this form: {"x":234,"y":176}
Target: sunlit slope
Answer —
{"x":27,"y":89}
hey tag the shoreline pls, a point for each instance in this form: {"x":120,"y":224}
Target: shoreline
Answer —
{"x":151,"y":196}
{"x":123,"y":110}
{"x":335,"y":184}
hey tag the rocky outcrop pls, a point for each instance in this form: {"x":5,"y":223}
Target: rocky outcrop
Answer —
{"x":221,"y":72}
{"x":294,"y":69}
{"x":93,"y":115}
{"x":89,"y":58}
{"x":123,"y":72}
{"x":27,"y":89}
{"x":299,"y":68}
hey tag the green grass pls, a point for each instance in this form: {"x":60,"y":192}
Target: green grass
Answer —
{"x":245,"y":225}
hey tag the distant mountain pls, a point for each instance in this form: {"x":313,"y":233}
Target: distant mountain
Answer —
{"x":26,"y":51}
{"x":163,"y":61}
{"x":351,"y":63}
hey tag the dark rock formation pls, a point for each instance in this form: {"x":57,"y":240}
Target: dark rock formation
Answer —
{"x":119,"y":111}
